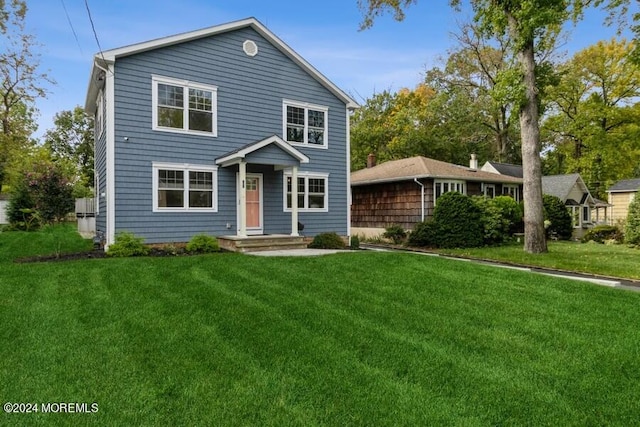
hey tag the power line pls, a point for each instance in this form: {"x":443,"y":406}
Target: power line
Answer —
{"x":93,"y":27}
{"x":71,"y":25}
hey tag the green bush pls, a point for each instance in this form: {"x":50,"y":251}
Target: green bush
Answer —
{"x":423,"y":234}
{"x":396,"y":233}
{"x":632,"y":227}
{"x":558,"y":217}
{"x":459,"y":223}
{"x":601,"y":233}
{"x":201,"y":244}
{"x":327,"y":241}
{"x":355,"y":242}
{"x":127,"y":245}
{"x":500,"y":217}
{"x":20,"y":212}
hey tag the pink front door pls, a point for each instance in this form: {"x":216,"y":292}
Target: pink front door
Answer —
{"x":253,"y":203}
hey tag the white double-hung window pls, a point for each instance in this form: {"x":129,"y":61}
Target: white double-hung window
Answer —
{"x":184,"y":106}
{"x":305,"y":123}
{"x":313,"y":192}
{"x":441,"y":186}
{"x":181,"y":187}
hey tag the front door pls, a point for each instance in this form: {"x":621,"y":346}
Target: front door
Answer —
{"x":254,"y":203}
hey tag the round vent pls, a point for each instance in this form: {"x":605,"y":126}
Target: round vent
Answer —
{"x":250,"y":47}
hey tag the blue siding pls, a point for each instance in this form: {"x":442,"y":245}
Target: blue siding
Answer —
{"x":250,"y":95}
{"x":271,"y":155}
{"x":100,"y":167}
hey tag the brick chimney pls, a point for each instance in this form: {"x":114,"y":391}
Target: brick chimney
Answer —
{"x":473,"y":163}
{"x":371,"y":160}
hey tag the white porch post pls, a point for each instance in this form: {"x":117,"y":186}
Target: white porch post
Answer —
{"x":242,"y":227}
{"x":294,"y":201}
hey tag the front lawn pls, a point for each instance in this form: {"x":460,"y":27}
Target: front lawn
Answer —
{"x":361,"y":338}
{"x":594,"y":258}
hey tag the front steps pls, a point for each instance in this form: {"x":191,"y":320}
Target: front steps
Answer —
{"x":272,"y":242}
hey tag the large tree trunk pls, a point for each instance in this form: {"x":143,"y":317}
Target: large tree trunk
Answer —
{"x":534,"y":233}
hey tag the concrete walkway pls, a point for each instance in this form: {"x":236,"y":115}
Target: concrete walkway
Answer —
{"x":297,"y":252}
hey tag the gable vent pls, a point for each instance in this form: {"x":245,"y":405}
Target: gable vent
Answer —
{"x":250,"y":47}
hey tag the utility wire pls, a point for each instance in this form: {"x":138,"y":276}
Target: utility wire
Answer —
{"x":73,"y":30}
{"x":93,"y":27}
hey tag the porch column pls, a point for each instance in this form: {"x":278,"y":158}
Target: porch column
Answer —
{"x":242,"y":209}
{"x":294,"y":201}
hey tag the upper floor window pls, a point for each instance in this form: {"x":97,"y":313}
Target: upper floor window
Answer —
{"x":305,"y":123}
{"x":183,"y":106}
{"x":445,"y":186}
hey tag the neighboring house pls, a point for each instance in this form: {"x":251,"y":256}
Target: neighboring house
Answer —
{"x":204,"y":132}
{"x":404,"y":192}
{"x":503,"y":168}
{"x":620,"y":195}
{"x":4,"y":203}
{"x":574,"y":193}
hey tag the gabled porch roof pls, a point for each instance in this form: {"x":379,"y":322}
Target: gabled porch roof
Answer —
{"x":269,"y":151}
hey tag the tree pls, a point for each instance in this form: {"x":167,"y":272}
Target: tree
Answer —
{"x":592,"y":125}
{"x":21,"y":83}
{"x":632,"y":226}
{"x":72,"y":139}
{"x":475,"y":110}
{"x":45,"y":191}
{"x":530,"y":26}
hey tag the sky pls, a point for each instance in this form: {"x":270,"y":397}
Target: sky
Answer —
{"x":389,"y":56}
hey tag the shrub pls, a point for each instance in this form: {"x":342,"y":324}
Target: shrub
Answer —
{"x":558,"y":217}
{"x":355,"y":242}
{"x":327,"y":241}
{"x":602,"y":233}
{"x":632,"y":227}
{"x":44,"y":189}
{"x":500,"y":217}
{"x":202,"y":244}
{"x":20,"y":212}
{"x":396,"y":233}
{"x":459,"y":223}
{"x":127,"y":245}
{"x":424,"y":234}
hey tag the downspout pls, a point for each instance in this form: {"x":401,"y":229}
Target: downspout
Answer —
{"x":422,"y":195}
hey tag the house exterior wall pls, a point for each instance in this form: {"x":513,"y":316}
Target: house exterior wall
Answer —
{"x":620,"y":208}
{"x":377,"y":206}
{"x":396,"y":203}
{"x":250,"y":94}
{"x":4,"y":204}
{"x":100,"y":171}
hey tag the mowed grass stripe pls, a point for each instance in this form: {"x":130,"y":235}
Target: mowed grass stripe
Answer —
{"x":349,"y":339}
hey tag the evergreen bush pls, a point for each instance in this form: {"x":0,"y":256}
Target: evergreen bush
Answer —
{"x":558,"y":216}
{"x":396,"y":233}
{"x":500,"y":217}
{"x":327,"y":241}
{"x":601,"y":233}
{"x":423,"y":234}
{"x":632,"y":227}
{"x":459,"y":223}
{"x":201,"y":243}
{"x":127,"y":245}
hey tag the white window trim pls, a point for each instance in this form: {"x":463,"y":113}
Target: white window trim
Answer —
{"x":578,"y":210}
{"x":307,"y":106}
{"x":186,"y":168}
{"x":436,"y":182}
{"x":186,"y":85}
{"x":306,"y":176}
{"x":516,"y":191}
{"x":485,"y":187}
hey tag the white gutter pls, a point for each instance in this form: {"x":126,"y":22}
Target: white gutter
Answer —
{"x":422,"y":195}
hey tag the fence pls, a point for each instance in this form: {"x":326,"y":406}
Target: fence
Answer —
{"x":86,"y":215}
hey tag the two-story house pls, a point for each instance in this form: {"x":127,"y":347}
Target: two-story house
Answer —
{"x":222,"y":131}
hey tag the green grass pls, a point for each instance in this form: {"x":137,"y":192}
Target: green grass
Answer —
{"x":608,"y":260}
{"x":375,"y":339}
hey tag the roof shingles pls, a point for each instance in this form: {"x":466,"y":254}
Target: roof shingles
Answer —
{"x":424,"y":167}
